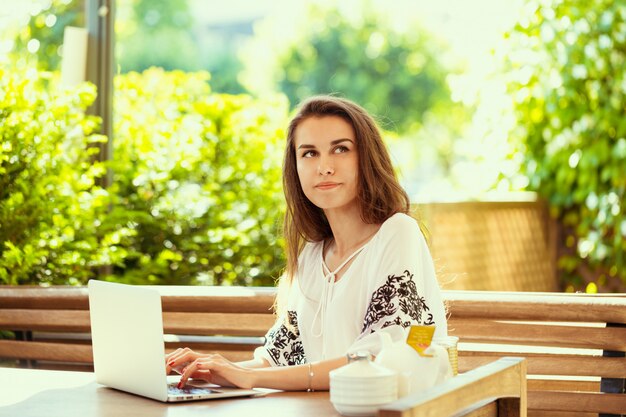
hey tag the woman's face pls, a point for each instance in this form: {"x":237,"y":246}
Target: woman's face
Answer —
{"x":327,"y":161}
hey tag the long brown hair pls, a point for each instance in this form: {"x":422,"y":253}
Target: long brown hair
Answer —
{"x":379,"y":193}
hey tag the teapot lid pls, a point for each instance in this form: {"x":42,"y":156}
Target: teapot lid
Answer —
{"x":360,"y":366}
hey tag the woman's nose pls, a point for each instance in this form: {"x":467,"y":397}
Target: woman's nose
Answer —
{"x":325,"y":168}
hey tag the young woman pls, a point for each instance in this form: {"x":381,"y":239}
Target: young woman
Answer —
{"x":357,"y":263}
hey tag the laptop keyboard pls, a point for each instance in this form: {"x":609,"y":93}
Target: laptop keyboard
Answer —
{"x":172,"y":389}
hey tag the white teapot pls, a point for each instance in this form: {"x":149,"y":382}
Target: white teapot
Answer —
{"x":415,"y":372}
{"x":361,"y":387}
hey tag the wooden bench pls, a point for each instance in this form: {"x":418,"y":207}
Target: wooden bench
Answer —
{"x":52,"y":324}
{"x":496,"y":389}
{"x":574,"y":343}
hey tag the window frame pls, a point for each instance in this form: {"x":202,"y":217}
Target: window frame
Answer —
{"x":100,"y":22}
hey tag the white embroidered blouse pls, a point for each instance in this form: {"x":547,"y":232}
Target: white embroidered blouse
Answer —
{"x":390,"y":285}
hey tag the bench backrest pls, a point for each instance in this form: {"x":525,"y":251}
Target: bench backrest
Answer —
{"x":52,"y":325}
{"x":574,"y":344}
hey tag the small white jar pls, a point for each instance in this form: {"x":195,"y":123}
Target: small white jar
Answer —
{"x":361,"y":387}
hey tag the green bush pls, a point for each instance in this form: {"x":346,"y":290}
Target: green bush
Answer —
{"x":196,"y":181}
{"x":399,"y":77}
{"x":567,"y":78}
{"x":50,"y":205}
{"x":46,"y":27}
{"x":196,"y":197}
{"x":142,"y":24}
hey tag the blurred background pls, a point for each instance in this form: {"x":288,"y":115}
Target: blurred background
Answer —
{"x":505,"y":121}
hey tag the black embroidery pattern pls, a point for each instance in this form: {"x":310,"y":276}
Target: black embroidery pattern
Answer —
{"x":398,"y":293}
{"x":284,"y":344}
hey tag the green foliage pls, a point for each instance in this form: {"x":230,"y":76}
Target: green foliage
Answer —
{"x":46,"y":28}
{"x":222,"y":62}
{"x":567,"y":78}
{"x":50,"y":204}
{"x":398,"y":76}
{"x":147,"y":33}
{"x":165,"y":34}
{"x":197,"y":181}
{"x":153,"y":16}
{"x":155,"y":33}
{"x":196,"y":196}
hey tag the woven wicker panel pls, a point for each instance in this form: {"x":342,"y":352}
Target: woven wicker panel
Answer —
{"x":502,"y":246}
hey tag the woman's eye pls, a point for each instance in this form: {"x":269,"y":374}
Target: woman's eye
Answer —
{"x":308,"y":154}
{"x":341,"y":149}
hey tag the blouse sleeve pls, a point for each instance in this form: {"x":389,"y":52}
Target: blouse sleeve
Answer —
{"x":405,"y":291}
{"x":283,"y":342}
{"x":283,"y":345}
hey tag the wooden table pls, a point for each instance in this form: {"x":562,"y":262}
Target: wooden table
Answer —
{"x":495,"y":389}
{"x":41,"y":393}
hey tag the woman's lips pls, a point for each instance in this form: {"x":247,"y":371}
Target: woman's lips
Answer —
{"x":327,"y":185}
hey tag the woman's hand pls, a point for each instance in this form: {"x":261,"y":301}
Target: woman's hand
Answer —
{"x":212,"y":368}
{"x":178,"y":359}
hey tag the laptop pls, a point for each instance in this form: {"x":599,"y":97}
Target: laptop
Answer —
{"x":129,"y":350}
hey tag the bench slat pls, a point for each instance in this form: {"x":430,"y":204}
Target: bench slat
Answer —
{"x":219,"y":304}
{"x":488,"y":331}
{"x":174,"y":298}
{"x":580,"y":310}
{"x":45,"y":320}
{"x":179,"y":323}
{"x":538,"y":306}
{"x":34,"y":297}
{"x":544,"y":364}
{"x":82,"y":353}
{"x":218,"y":323}
{"x":562,"y":385}
{"x":598,"y":402}
{"x":198,"y":346}
{"x":60,"y":352}
{"x":544,"y":413}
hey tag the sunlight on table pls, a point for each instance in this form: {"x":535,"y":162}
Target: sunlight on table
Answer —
{"x":17,"y":385}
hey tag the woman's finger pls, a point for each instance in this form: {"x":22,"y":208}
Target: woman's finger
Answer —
{"x":172,"y":354}
{"x":176,"y":355}
{"x":185,"y":355}
{"x":191,"y":369}
{"x":171,"y":358}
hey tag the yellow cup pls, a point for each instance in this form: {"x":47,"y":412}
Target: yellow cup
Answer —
{"x":450,"y":343}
